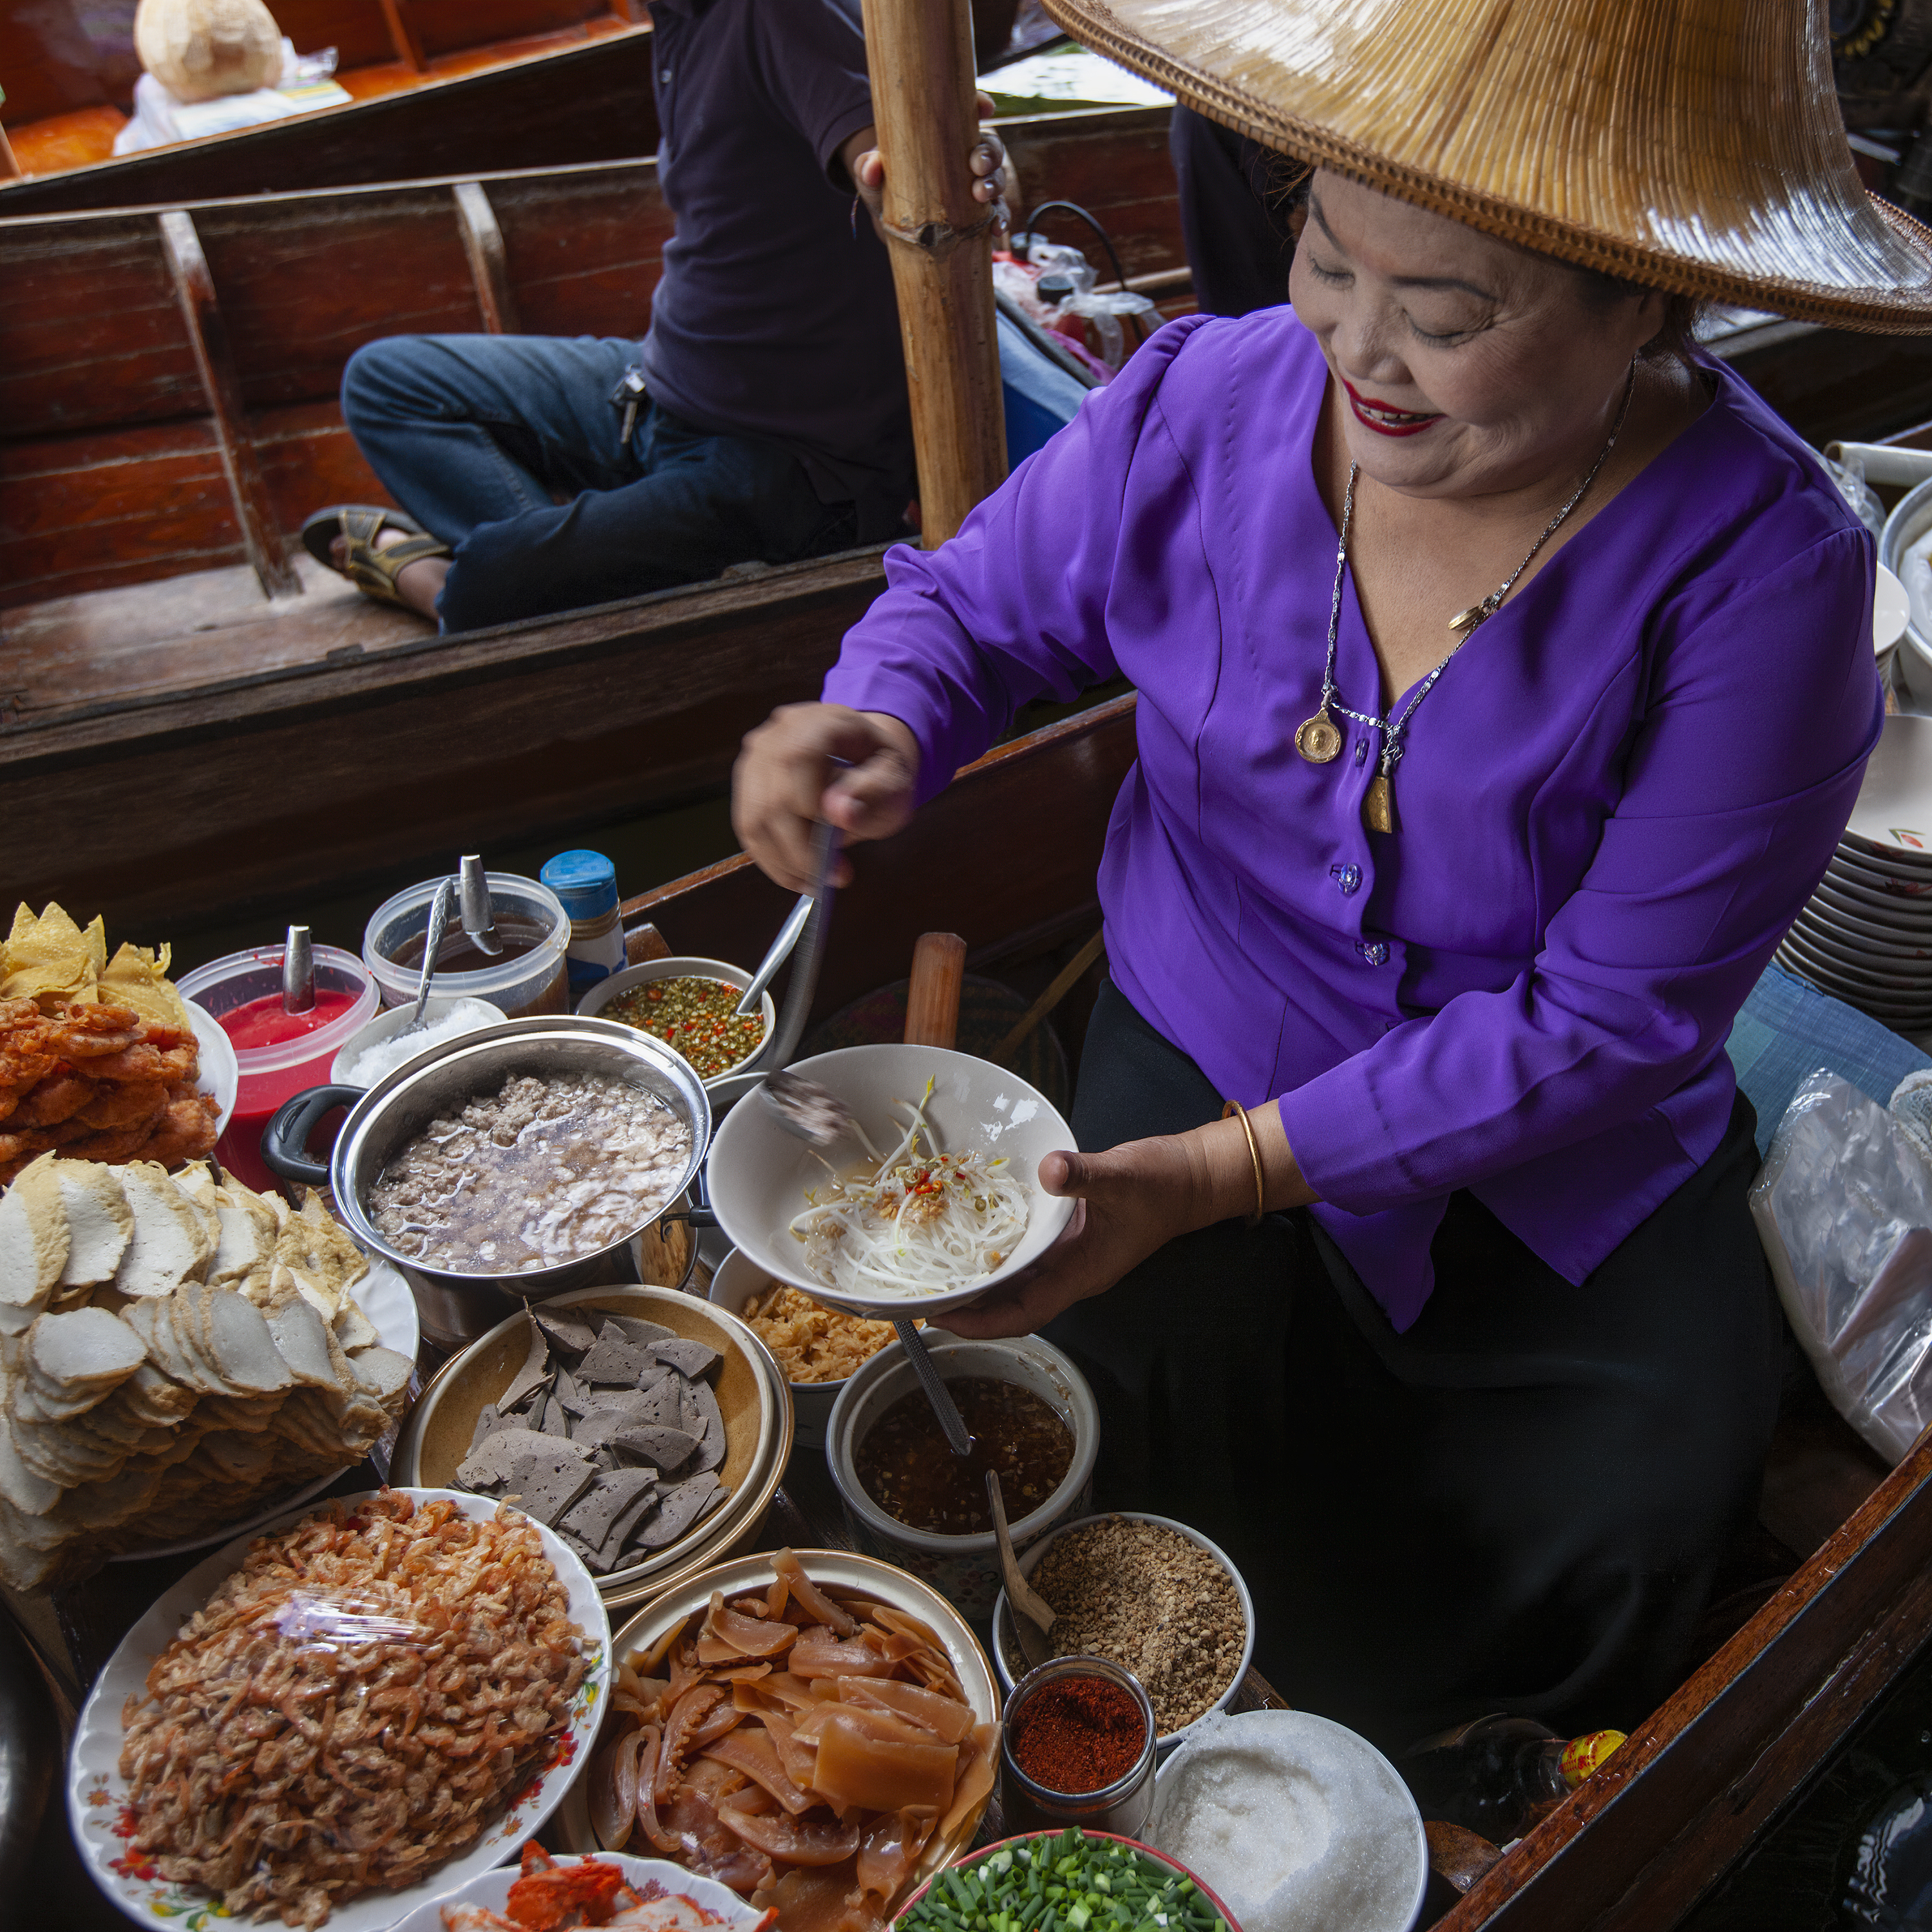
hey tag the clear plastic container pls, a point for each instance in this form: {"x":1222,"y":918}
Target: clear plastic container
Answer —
{"x":531,"y":977}
{"x":271,"y":1073}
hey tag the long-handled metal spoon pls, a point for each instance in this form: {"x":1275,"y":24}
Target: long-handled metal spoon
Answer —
{"x":438,"y":924}
{"x":1032,"y":1616}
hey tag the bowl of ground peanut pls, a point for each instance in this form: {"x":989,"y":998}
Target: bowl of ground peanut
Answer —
{"x":1150,"y":1594}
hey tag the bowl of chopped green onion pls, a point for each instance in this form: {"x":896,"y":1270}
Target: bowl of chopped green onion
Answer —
{"x":1070,"y":1881}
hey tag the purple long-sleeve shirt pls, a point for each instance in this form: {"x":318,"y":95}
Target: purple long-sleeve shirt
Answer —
{"x":1610,"y":807}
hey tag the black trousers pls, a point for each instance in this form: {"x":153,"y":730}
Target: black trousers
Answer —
{"x":1518,"y":1505}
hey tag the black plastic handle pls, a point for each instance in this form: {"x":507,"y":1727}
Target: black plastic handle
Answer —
{"x":285,"y":1139}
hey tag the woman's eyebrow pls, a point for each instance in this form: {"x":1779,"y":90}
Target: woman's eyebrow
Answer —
{"x":1401,"y":281}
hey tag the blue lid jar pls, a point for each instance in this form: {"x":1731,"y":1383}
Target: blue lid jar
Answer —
{"x":586,"y":883}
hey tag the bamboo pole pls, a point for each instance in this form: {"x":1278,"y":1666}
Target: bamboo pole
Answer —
{"x":920,"y":54}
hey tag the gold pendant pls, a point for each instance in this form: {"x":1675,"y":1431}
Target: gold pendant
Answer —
{"x":1378,"y":804}
{"x":1319,"y":739}
{"x":1464,"y":621}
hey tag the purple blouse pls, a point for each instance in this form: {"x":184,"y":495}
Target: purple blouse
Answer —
{"x":1612,"y":805}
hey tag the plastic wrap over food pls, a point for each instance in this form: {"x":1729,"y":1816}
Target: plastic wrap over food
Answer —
{"x":1844,"y":1208}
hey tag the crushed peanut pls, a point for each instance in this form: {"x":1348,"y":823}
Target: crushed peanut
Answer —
{"x":1144,"y":1596}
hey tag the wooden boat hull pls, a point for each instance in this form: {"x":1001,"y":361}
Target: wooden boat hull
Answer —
{"x":168,"y":383}
{"x":1007,"y":857}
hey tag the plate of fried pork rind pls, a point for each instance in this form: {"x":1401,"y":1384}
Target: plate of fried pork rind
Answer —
{"x":335,"y":1721}
{"x":99,"y":1058}
{"x":180,"y":1358}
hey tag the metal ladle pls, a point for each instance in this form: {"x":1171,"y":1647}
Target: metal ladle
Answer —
{"x":477,"y":920}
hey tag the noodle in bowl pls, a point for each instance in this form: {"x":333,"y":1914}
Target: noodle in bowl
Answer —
{"x":957,"y":1210}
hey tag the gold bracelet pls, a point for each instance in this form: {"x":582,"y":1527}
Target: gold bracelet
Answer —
{"x":1232,"y":1108}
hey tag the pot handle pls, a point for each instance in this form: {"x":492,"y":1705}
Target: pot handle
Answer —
{"x":285,"y":1139}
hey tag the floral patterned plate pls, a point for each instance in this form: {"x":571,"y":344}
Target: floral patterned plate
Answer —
{"x":97,"y":1794}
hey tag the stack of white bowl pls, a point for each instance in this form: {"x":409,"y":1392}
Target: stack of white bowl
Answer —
{"x":1865,"y":937}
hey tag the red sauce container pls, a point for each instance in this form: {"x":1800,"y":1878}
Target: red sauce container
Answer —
{"x":279,"y":1054}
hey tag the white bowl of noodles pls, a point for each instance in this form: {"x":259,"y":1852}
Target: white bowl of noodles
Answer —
{"x":764,"y":1181}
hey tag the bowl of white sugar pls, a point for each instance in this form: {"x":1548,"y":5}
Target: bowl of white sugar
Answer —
{"x":1299,"y":1825}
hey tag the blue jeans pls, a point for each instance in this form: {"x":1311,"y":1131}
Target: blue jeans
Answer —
{"x":477,"y":436}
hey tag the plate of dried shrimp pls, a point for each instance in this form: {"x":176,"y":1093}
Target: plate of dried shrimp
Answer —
{"x":344,"y":1716}
{"x":546,"y":1895}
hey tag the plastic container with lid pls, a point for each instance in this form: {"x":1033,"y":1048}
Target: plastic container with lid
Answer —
{"x":529,"y":977}
{"x":278,"y":1053}
{"x":586,"y":884}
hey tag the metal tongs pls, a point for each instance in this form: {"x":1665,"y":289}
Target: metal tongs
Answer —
{"x":824,"y":854}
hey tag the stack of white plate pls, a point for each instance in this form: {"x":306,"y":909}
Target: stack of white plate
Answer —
{"x":1865,"y":937}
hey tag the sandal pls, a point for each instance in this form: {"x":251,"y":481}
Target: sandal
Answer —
{"x":373,"y":571}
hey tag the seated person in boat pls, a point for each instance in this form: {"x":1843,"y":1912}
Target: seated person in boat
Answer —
{"x":763,"y":416}
{"x":1505,"y":678}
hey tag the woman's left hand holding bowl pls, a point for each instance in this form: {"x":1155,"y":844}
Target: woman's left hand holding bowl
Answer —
{"x":1131,"y":1200}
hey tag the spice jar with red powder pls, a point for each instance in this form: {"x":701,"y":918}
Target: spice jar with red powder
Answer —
{"x":1078,"y":1748}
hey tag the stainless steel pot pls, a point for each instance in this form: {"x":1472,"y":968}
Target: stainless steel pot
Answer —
{"x":382,"y":1121}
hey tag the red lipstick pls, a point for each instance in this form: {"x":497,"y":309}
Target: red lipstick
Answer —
{"x":1386,"y":419}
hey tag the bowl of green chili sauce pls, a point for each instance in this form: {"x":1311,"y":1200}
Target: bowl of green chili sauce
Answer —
{"x":691,"y":1004}
{"x":1070,"y":1881}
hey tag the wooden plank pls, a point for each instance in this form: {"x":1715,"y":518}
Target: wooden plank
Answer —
{"x":1703,"y":1775}
{"x":92,"y":334}
{"x":404,"y":41}
{"x":483,"y":244}
{"x":202,"y":311}
{"x":309,"y":778}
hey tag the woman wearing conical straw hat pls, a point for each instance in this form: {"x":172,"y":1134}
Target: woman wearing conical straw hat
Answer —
{"x":1505,"y":680}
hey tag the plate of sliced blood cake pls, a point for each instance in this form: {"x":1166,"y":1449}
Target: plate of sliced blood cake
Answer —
{"x":648,"y":1429}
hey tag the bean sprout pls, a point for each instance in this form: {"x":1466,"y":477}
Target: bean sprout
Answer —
{"x":914,"y":1223}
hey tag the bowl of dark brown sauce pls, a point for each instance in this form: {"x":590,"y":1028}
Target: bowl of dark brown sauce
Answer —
{"x":530,"y":976}
{"x":909,"y":1500}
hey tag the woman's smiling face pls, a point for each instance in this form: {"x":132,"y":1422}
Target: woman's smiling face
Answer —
{"x":1467,"y":366}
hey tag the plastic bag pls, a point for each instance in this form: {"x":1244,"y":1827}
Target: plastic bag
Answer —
{"x":1843,"y":1206}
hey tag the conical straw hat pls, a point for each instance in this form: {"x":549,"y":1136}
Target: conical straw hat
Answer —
{"x":1693,"y":146}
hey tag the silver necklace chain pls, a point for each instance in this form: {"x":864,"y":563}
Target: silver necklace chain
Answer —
{"x":1392,"y":729}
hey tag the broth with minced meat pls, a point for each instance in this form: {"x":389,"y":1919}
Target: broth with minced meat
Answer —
{"x":550,"y":1170}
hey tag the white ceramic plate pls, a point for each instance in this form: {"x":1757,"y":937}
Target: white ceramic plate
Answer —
{"x":1901,"y":953}
{"x":1894,"y":813}
{"x":759,"y":1173}
{"x":1831,"y":911}
{"x":491,"y":1890}
{"x":220,"y":1071}
{"x":1906,"y":916}
{"x":1901,"y":983}
{"x":1891,"y":611}
{"x":385,"y":1298}
{"x":1904,"y":1017}
{"x":1867,"y":870}
{"x":97,"y":1793}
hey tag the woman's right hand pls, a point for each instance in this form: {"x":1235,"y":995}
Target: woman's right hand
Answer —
{"x":856,"y":770}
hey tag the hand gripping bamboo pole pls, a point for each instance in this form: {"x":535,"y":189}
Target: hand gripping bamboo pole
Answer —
{"x":920,"y":54}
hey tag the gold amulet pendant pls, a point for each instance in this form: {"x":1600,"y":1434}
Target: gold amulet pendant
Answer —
{"x":1319,"y":739}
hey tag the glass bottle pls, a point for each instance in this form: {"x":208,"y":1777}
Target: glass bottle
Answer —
{"x":1498,"y":1775}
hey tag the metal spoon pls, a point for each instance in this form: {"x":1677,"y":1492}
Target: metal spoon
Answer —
{"x":477,"y":921}
{"x":297,"y":972}
{"x":1032,"y":1616}
{"x":439,"y":922}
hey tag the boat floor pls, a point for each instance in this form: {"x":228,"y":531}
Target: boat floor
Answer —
{"x":207,"y":627}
